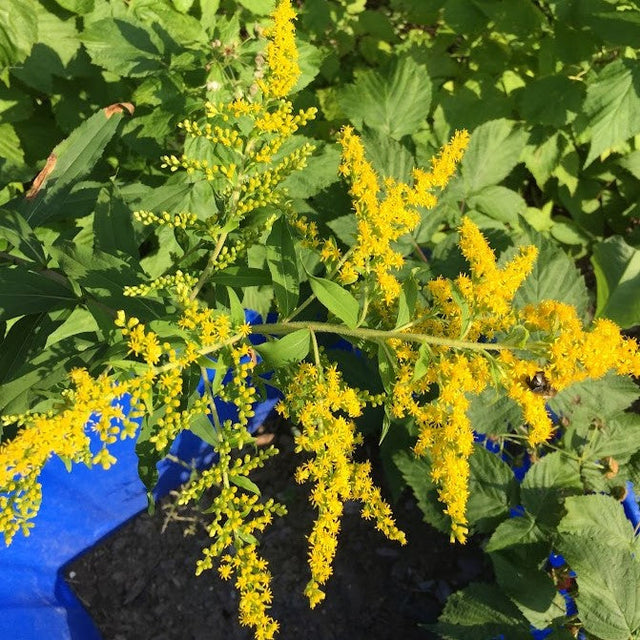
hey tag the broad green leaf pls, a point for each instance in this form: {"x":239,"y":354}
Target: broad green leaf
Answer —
{"x":112,"y":225}
{"x":617,"y":438}
{"x":608,"y":586}
{"x":612,"y":107}
{"x":259,"y":7}
{"x":547,"y":483}
{"x":499,"y":203}
{"x":320,"y":172}
{"x":530,"y":588}
{"x":336,"y":299}
{"x":554,"y":277}
{"x":542,"y":154}
{"x":310,"y":59}
{"x":480,"y":612}
{"x":492,"y":489}
{"x":51,"y":57}
{"x":283,"y":265}
{"x":617,"y":269}
{"x":173,"y":27}
{"x":18,"y":31}
{"x":394,"y":100}
{"x":388,"y":157}
{"x":631,"y":162}
{"x":493,"y":414}
{"x":15,"y":229}
{"x":598,"y":517}
{"x":494,"y":150}
{"x":417,"y":474}
{"x":77,"y":6}
{"x":11,"y":155}
{"x":536,"y":107}
{"x":293,"y":347}
{"x":241,"y":277}
{"x":138,"y":53}
{"x":514,"y":532}
{"x":23,"y":292}
{"x":70,"y":161}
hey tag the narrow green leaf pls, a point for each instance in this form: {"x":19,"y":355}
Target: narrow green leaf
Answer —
{"x":336,"y":299}
{"x":17,"y":231}
{"x":112,"y":226}
{"x":237,"y":311}
{"x":407,"y":301}
{"x":201,"y":426}
{"x":293,"y":347}
{"x":244,"y":483}
{"x":423,"y":362}
{"x":70,"y":161}
{"x":283,"y":265}
{"x":241,"y":277}
{"x":23,"y":292}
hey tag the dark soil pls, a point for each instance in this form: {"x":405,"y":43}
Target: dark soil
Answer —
{"x":139,"y":583}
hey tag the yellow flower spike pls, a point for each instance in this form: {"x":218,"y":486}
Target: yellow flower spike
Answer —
{"x":282,"y":53}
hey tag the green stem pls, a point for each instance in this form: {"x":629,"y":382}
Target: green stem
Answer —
{"x":377,"y":334}
{"x":206,"y":273}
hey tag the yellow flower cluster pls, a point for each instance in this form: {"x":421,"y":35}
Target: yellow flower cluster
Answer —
{"x":382,"y":221}
{"x":282,"y":53}
{"x":91,"y":406}
{"x":324,"y":405}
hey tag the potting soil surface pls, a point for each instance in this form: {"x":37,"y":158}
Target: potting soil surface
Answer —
{"x":139,"y":584}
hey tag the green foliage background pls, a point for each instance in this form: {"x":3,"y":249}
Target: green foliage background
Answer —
{"x":550,"y":92}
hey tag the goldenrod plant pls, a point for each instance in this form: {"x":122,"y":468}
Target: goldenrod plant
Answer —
{"x":438,"y":343}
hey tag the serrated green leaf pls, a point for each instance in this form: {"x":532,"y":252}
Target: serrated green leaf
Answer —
{"x":608,"y":586}
{"x":293,"y":347}
{"x":417,"y":474}
{"x":547,"y":483}
{"x":617,"y":269}
{"x":18,"y":31}
{"x":514,"y":532}
{"x":493,"y":414}
{"x":283,"y":265}
{"x":499,"y":203}
{"x":598,"y":517}
{"x":492,"y":489}
{"x":336,"y":299}
{"x":617,"y":438}
{"x":395,"y":100}
{"x":23,"y":292}
{"x":536,"y":107}
{"x":494,"y":150}
{"x":320,"y":172}
{"x":554,"y":277}
{"x":612,"y":107}
{"x":388,"y":157}
{"x":138,"y":52}
{"x":480,"y":612}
